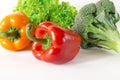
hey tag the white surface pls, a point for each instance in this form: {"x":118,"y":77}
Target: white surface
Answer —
{"x":93,"y":64}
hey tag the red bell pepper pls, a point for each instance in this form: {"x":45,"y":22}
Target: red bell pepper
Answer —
{"x":53,"y":43}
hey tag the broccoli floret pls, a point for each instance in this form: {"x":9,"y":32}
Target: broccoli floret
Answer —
{"x":106,"y":5}
{"x":84,"y":17}
{"x":109,"y":7}
{"x":96,"y":23}
{"x":89,"y":9}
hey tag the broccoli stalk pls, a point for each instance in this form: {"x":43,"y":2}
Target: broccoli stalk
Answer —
{"x":96,"y":23}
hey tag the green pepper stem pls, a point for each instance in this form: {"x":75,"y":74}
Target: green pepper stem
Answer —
{"x":29,"y":28}
{"x":4,"y":34}
{"x":11,"y":34}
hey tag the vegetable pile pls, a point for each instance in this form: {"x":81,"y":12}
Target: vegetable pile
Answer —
{"x":57,"y":30}
{"x":96,"y":23}
{"x":46,"y":20}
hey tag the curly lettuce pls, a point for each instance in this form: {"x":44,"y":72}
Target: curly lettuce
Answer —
{"x":48,"y":10}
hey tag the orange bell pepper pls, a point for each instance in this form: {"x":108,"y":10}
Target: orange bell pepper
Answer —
{"x":13,"y":31}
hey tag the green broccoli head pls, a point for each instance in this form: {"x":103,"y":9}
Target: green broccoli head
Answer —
{"x":106,"y":5}
{"x":109,"y":7}
{"x":84,"y":17}
{"x":89,"y":9}
{"x":96,"y":24}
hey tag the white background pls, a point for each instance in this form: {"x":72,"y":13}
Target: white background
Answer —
{"x":92,"y":64}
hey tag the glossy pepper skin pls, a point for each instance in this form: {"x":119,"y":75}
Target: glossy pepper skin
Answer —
{"x":65,"y":44}
{"x":14,"y":26}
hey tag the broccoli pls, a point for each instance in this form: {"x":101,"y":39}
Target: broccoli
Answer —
{"x":96,"y":23}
